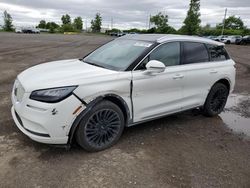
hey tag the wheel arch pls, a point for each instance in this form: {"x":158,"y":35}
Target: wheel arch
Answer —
{"x":119,"y":101}
{"x":121,"y":104}
{"x":224,"y":81}
{"x":206,"y":108}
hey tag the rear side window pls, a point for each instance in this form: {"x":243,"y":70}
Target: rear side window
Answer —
{"x":194,"y":52}
{"x":217,"y":53}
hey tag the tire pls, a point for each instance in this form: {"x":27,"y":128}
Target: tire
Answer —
{"x":101,"y":127}
{"x":216,"y":100}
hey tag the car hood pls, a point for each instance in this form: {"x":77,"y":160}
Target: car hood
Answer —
{"x":63,"y":73}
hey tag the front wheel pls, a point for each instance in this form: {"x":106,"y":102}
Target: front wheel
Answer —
{"x":216,"y":100}
{"x":101,"y":127}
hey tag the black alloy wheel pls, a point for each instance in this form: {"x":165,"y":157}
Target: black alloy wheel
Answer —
{"x":216,"y":100}
{"x":219,"y":99}
{"x":101,"y":127}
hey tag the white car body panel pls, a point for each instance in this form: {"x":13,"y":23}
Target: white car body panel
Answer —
{"x":63,"y":73}
{"x":146,"y":96}
{"x":37,"y":117}
{"x":156,"y":94}
{"x":208,"y":73}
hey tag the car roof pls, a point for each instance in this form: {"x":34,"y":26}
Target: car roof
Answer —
{"x":162,"y":38}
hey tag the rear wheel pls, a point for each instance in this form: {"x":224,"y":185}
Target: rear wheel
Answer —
{"x":216,"y":100}
{"x":101,"y":127}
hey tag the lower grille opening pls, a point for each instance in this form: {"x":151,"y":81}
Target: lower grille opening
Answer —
{"x":19,"y":119}
{"x":35,"y":133}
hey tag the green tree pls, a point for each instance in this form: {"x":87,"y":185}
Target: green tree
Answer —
{"x":78,"y":23}
{"x":115,"y":30}
{"x":66,"y":19}
{"x":67,"y":28}
{"x":42,"y":24}
{"x":232,"y":22}
{"x":52,"y":26}
{"x":96,"y":23}
{"x":66,"y":24}
{"x":7,"y":21}
{"x":192,"y":21}
{"x":161,"y":22}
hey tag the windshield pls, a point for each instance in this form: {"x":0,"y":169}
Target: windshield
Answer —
{"x":117,"y":54}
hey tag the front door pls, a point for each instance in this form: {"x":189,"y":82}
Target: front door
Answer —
{"x":158,"y":94}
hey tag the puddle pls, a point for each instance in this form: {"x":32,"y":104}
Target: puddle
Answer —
{"x":237,"y":113}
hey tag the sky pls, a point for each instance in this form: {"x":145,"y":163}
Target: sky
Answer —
{"x":125,"y":14}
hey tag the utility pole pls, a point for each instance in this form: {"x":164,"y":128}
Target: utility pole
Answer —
{"x":146,"y":26}
{"x":86,"y":24}
{"x":111,"y":23}
{"x":223,"y":27}
{"x":149,"y":22}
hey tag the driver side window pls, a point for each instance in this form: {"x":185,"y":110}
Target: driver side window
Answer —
{"x":168,"y":53}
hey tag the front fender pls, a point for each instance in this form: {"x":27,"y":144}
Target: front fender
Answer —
{"x":90,"y":105}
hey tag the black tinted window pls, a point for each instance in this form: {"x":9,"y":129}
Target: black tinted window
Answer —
{"x":194,"y":52}
{"x":217,"y":53}
{"x":169,"y":54}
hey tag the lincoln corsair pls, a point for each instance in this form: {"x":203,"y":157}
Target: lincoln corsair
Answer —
{"x":130,"y":80}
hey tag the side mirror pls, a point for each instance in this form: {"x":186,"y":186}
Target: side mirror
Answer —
{"x":155,"y":66}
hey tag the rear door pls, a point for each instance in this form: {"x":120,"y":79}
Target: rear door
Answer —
{"x":195,"y":61}
{"x":204,"y":64}
{"x":221,"y":66}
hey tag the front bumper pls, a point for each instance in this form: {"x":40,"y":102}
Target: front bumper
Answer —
{"x":34,"y":135}
{"x":48,"y":123}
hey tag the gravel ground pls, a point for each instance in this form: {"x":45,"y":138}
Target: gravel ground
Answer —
{"x":182,"y":150}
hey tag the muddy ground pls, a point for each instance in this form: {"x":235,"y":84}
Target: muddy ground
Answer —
{"x":183,"y":150}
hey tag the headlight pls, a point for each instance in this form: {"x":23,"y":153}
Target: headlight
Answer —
{"x":52,"y":95}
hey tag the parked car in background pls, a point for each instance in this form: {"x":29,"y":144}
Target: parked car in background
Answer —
{"x":120,"y":34}
{"x":18,"y":30}
{"x":210,"y":37}
{"x":238,"y":41}
{"x":133,"y":33}
{"x":35,"y":30}
{"x":231,"y":39}
{"x":113,"y":34}
{"x":245,"y":40}
{"x":220,"y":37}
{"x":31,"y":30}
{"x":43,"y":30}
{"x":117,"y":34}
{"x":130,"y":80}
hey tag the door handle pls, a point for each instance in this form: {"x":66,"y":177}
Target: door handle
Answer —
{"x":178,"y":76}
{"x":213,"y":71}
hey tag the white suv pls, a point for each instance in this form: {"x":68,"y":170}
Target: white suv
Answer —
{"x":230,"y":39}
{"x":129,"y":80}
